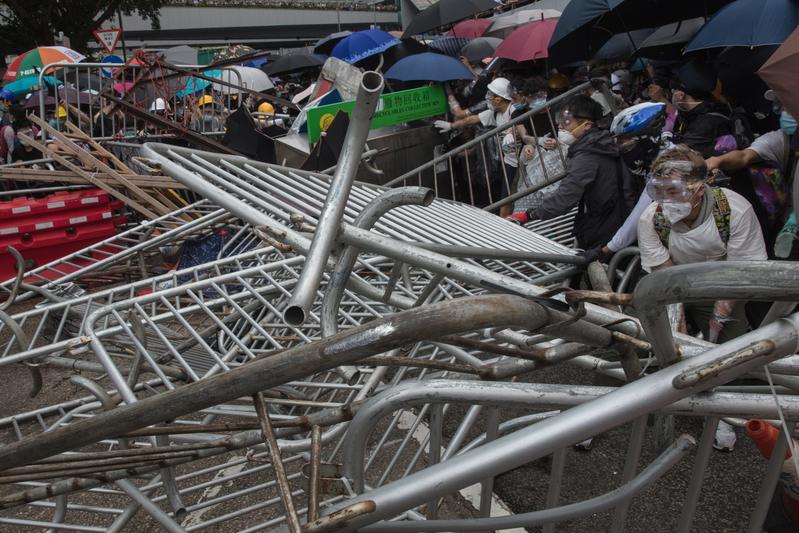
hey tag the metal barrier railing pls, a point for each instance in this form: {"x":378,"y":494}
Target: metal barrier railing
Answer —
{"x":84,"y":84}
{"x":475,"y":173}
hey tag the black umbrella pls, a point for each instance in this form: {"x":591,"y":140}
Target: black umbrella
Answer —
{"x":586,"y":25}
{"x":446,"y":12}
{"x":67,"y":94}
{"x":622,"y":45}
{"x":292,"y":63}
{"x":407,"y":47}
{"x":450,"y":46}
{"x":480,"y":48}
{"x":325,"y":44}
{"x":668,"y":41}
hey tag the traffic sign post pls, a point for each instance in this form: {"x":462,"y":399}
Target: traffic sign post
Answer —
{"x":108,"y":38}
{"x":107,"y":72}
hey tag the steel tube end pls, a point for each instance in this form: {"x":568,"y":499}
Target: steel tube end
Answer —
{"x":294,"y":315}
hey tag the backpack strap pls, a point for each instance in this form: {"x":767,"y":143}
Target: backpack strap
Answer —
{"x":721,"y":216}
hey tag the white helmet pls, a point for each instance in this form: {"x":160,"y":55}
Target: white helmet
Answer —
{"x":502,"y":88}
{"x":158,"y":105}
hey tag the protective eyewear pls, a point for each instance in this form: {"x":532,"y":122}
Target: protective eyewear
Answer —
{"x":666,"y":189}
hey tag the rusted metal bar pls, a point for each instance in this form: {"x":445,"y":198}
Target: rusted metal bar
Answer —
{"x":599,"y":297}
{"x":277,"y":463}
{"x":313,"y":477}
{"x":339,"y":519}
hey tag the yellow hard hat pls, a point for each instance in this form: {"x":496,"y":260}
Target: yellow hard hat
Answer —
{"x":61,"y":112}
{"x":206,"y":99}
{"x":558,"y":81}
{"x":266,"y":107}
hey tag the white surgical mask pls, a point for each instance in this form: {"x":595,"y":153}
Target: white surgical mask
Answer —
{"x":489,"y":102}
{"x":565,"y":137}
{"x":676,"y":211}
{"x":538,"y":102}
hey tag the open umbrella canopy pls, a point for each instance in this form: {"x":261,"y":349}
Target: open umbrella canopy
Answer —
{"x":292,"y":63}
{"x":504,"y":24}
{"x":446,"y":12}
{"x":233,"y":51}
{"x":32,"y":61}
{"x":450,"y":46}
{"x":251,"y":78}
{"x":180,"y":55}
{"x":193,"y":85}
{"x":407,"y":47}
{"x":781,"y":72}
{"x":481,"y":48}
{"x":26,"y":85}
{"x":64,"y":94}
{"x":528,"y":42}
{"x":668,"y":42}
{"x":622,"y":45}
{"x":362,"y":44}
{"x":325,"y":45}
{"x":586,"y":25}
{"x":470,"y":29}
{"x":428,"y":66}
{"x":748,"y":23}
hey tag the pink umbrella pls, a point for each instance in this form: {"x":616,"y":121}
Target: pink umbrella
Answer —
{"x":122,"y":89}
{"x":528,"y":42}
{"x":470,"y":29}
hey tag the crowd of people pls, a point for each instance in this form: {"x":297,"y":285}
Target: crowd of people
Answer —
{"x":659,"y":158}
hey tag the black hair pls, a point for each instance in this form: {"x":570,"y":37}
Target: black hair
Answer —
{"x":532,"y":86}
{"x":584,"y":107}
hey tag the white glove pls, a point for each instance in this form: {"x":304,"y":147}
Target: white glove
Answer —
{"x":442,"y":125}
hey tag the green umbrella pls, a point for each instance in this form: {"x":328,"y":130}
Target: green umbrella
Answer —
{"x":29,"y":84}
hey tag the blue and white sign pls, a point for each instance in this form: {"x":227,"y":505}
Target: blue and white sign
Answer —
{"x":112,"y":60}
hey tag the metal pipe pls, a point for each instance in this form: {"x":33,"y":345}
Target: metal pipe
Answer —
{"x":573,"y":425}
{"x":509,"y":255}
{"x":722,"y":280}
{"x":466,"y":314}
{"x":329,"y":220}
{"x":341,"y":273}
{"x":662,"y":464}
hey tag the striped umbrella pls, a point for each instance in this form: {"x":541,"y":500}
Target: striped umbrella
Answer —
{"x":450,"y":46}
{"x":31,"y":62}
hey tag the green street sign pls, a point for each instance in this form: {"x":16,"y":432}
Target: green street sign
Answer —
{"x":393,"y":108}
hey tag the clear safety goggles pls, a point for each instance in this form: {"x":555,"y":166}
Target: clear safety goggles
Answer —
{"x":566,"y":118}
{"x":666,"y":189}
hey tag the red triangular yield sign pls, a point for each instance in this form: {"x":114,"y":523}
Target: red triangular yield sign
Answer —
{"x":108,"y":38}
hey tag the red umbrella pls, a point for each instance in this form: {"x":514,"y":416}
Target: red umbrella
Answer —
{"x":781,"y":73}
{"x":471,"y":29}
{"x":528,"y":42}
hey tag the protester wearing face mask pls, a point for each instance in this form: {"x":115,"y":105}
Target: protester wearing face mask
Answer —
{"x":207,"y":121}
{"x":597,"y":179}
{"x":7,"y":99}
{"x":692,"y":222}
{"x":701,"y":118}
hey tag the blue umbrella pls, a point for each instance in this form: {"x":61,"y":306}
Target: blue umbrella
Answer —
{"x":428,"y":66}
{"x":362,"y":44}
{"x":256,"y":63}
{"x":451,"y":46}
{"x":29,"y":83}
{"x":748,"y":23}
{"x":194,"y":85}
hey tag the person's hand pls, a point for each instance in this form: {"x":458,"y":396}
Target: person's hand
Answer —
{"x":443,"y":126}
{"x":712,"y":164}
{"x":528,"y":152}
{"x":714,"y":328}
{"x":550,"y":143}
{"x":518,"y":218}
{"x":597,"y":253}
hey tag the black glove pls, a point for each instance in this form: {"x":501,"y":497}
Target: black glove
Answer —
{"x":594,"y":254}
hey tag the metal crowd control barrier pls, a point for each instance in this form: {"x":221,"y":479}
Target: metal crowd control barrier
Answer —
{"x":475,"y":173}
{"x":394,"y":392}
{"x":84,"y":84}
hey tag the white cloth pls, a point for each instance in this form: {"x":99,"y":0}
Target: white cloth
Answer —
{"x":771,"y":149}
{"x":491,"y":118}
{"x":599,"y":98}
{"x":628,"y":232}
{"x":704,"y":243}
{"x":535,"y":175}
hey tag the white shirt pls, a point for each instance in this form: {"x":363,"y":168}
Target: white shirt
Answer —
{"x":704,"y":243}
{"x":771,"y":149}
{"x":491,"y":118}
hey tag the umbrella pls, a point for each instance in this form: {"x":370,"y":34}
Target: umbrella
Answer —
{"x":325,"y":45}
{"x":26,"y":85}
{"x":451,"y":46}
{"x":191,"y":85}
{"x":470,"y":29}
{"x":528,"y":42}
{"x":668,"y":41}
{"x":503,"y":25}
{"x":429,"y":66}
{"x":252,"y":78}
{"x":64,"y":94}
{"x":748,"y":23}
{"x":586,"y":25}
{"x":781,"y":72}
{"x":406,"y":47}
{"x":362,"y":44}
{"x":480,"y":48}
{"x":622,"y":45}
{"x":32,"y":61}
{"x":446,"y":12}
{"x":180,"y":55}
{"x":292,"y":63}
{"x":232,"y":52}
{"x":255,"y":63}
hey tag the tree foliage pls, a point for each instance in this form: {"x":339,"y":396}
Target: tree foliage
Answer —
{"x":25,"y":24}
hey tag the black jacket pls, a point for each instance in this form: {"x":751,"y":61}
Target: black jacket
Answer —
{"x":700,"y":127}
{"x":599,"y":182}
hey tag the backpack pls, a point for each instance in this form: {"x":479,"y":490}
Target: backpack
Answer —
{"x":721,"y":215}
